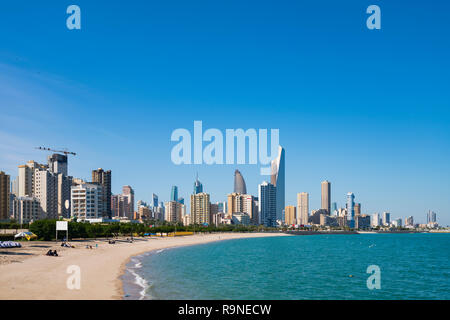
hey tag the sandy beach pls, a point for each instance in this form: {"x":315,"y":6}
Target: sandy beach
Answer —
{"x":26,"y":273}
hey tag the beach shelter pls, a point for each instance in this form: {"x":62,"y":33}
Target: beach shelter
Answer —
{"x":26,"y":235}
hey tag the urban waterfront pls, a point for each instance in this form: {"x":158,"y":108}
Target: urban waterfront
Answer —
{"x":413,"y":266}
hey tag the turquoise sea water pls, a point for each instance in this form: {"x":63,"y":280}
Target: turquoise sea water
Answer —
{"x":413,"y":266}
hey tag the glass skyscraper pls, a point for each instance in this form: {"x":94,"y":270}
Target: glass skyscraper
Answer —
{"x":277,"y":180}
{"x":198,"y":187}
{"x":351,"y":210}
{"x":174,"y":194}
{"x":267,"y":207}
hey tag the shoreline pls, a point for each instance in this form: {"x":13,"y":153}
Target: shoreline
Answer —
{"x":101,"y":269}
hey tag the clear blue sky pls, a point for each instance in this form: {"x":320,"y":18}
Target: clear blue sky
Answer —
{"x":367,"y":110}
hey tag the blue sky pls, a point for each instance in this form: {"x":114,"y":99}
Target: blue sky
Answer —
{"x":367,"y":110}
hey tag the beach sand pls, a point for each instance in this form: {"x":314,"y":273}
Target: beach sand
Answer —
{"x":26,"y":273}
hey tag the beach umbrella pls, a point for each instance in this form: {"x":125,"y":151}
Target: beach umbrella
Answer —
{"x":26,"y":235}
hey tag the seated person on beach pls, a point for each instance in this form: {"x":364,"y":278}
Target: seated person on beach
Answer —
{"x":49,"y":253}
{"x":55,"y":253}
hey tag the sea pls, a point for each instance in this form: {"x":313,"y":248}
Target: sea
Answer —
{"x":319,"y":267}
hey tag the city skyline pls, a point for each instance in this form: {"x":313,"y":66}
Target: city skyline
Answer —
{"x":324,"y":93}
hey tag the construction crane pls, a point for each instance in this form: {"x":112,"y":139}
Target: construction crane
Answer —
{"x":65,"y":151}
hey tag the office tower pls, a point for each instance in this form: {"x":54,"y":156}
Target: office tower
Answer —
{"x":103,"y":178}
{"x":357,"y":209}
{"x":431,"y":217}
{"x":87,"y":201}
{"x":200,"y":208}
{"x":57,"y":163}
{"x":290,"y":216}
{"x":46,"y":191}
{"x":26,"y":209}
{"x":267,"y":205}
{"x":4,"y":196}
{"x":26,"y":178}
{"x":302,"y":208}
{"x":174,"y":212}
{"x":239,"y":183}
{"x":155,"y":200}
{"x":174,"y":194}
{"x":409,"y":221}
{"x":128,"y":194}
{"x":326,"y":196}
{"x":350,"y":210}
{"x":375,"y":222}
{"x":334,"y":208}
{"x":181,"y":200}
{"x":386,"y":218}
{"x":198,"y":187}
{"x":277,"y":179}
{"x":362,"y":221}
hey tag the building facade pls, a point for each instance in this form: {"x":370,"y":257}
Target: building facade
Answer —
{"x":290,"y":215}
{"x":5,"y":200}
{"x":267,"y":205}
{"x":103,"y":178}
{"x":277,"y":179}
{"x":87,"y":201}
{"x":326,"y":196}
{"x":302,"y":208}
{"x":200,"y":208}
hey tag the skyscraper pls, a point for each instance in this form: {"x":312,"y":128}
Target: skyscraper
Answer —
{"x":242,"y":203}
{"x":128,"y":194}
{"x":198,"y":187}
{"x":87,"y":201}
{"x":357,"y":209}
{"x":375,"y":221}
{"x":431,"y":217}
{"x":239,"y":183}
{"x":334,"y":208}
{"x":4,"y":196}
{"x":277,"y":179}
{"x":326,"y":196}
{"x":155,"y":200}
{"x":173,"y":211}
{"x":386,"y":218}
{"x":351,"y":210}
{"x":290,"y":216}
{"x":267,"y":205}
{"x":302,"y":208}
{"x":174,"y":194}
{"x":46,"y":190}
{"x":103,"y":178}
{"x":57,"y":163}
{"x":200,"y":208}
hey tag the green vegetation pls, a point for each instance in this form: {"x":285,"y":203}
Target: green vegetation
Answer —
{"x":46,"y":229}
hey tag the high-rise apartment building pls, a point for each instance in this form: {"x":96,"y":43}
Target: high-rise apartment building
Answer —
{"x":326,"y":196}
{"x":4,"y":196}
{"x":242,"y":203}
{"x":46,"y":191}
{"x":267,"y":205}
{"x":290,"y":216}
{"x":375,"y":221}
{"x":277,"y":179}
{"x":26,"y":209}
{"x":302,"y":208}
{"x":200,"y":208}
{"x":57,"y":163}
{"x":174,"y":211}
{"x":357,"y":209}
{"x":128,"y":194}
{"x":87,"y":201}
{"x":103,"y":178}
{"x":26,"y":178}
